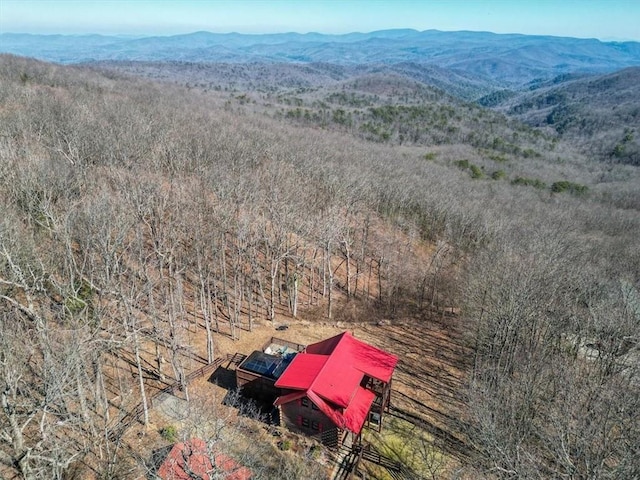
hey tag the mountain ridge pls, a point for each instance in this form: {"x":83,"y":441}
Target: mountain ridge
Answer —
{"x":508,"y":60}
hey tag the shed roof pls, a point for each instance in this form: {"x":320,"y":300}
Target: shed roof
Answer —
{"x":330,"y":373}
{"x":192,"y":459}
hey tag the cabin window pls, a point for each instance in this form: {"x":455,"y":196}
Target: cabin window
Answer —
{"x":304,"y":402}
{"x":315,"y":425}
{"x":314,"y":406}
{"x":305,"y":422}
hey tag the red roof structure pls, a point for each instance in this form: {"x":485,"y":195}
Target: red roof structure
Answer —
{"x":192,"y":459}
{"x":330,"y":373}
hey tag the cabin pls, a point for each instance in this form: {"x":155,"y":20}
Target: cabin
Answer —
{"x":335,"y":387}
{"x":256,"y":375}
{"x":193,"y":459}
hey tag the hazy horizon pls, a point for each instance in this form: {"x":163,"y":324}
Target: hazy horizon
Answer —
{"x":612,"y":20}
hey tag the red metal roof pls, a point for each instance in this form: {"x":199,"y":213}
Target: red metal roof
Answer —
{"x":193,"y":458}
{"x":368,"y":359}
{"x":307,"y":368}
{"x":357,"y":411}
{"x":330,"y":373}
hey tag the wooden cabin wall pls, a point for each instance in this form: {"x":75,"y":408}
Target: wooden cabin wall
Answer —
{"x":256,"y":386}
{"x":294,"y":415}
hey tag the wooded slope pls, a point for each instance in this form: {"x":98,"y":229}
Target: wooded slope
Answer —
{"x":131,"y":210}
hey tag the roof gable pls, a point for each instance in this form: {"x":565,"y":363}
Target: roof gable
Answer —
{"x":325,"y":347}
{"x":370,"y":360}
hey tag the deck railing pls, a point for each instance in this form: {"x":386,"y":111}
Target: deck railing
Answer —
{"x":137,"y":413}
{"x":298,"y":347}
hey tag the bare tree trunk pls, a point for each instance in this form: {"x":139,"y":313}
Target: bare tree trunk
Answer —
{"x":175,"y":314}
{"x":330,"y":278}
{"x":294,"y":296}
{"x":360,"y":260}
{"x":223,"y":268}
{"x":368,"y":286}
{"x":215,"y":307}
{"x":205,"y":307}
{"x":238,"y":294}
{"x":82,"y":397}
{"x":249,"y":288}
{"x":132,"y":329}
{"x":437,"y":261}
{"x":380,"y":261}
{"x":100,"y":391}
{"x":143,"y":392}
{"x":312,"y":271}
{"x":275,"y":266}
{"x":157,"y":331}
{"x":347,"y":253}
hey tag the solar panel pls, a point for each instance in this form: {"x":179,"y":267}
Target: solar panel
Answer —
{"x":266,"y":365}
{"x":261,"y":363}
{"x":281,"y":366}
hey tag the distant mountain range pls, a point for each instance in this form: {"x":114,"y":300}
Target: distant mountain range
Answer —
{"x":506,"y":60}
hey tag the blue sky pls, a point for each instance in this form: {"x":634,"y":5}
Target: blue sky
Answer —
{"x":603,"y":19}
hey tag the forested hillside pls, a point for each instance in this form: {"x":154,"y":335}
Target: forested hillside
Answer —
{"x":138,"y":219}
{"x":599,"y":115}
